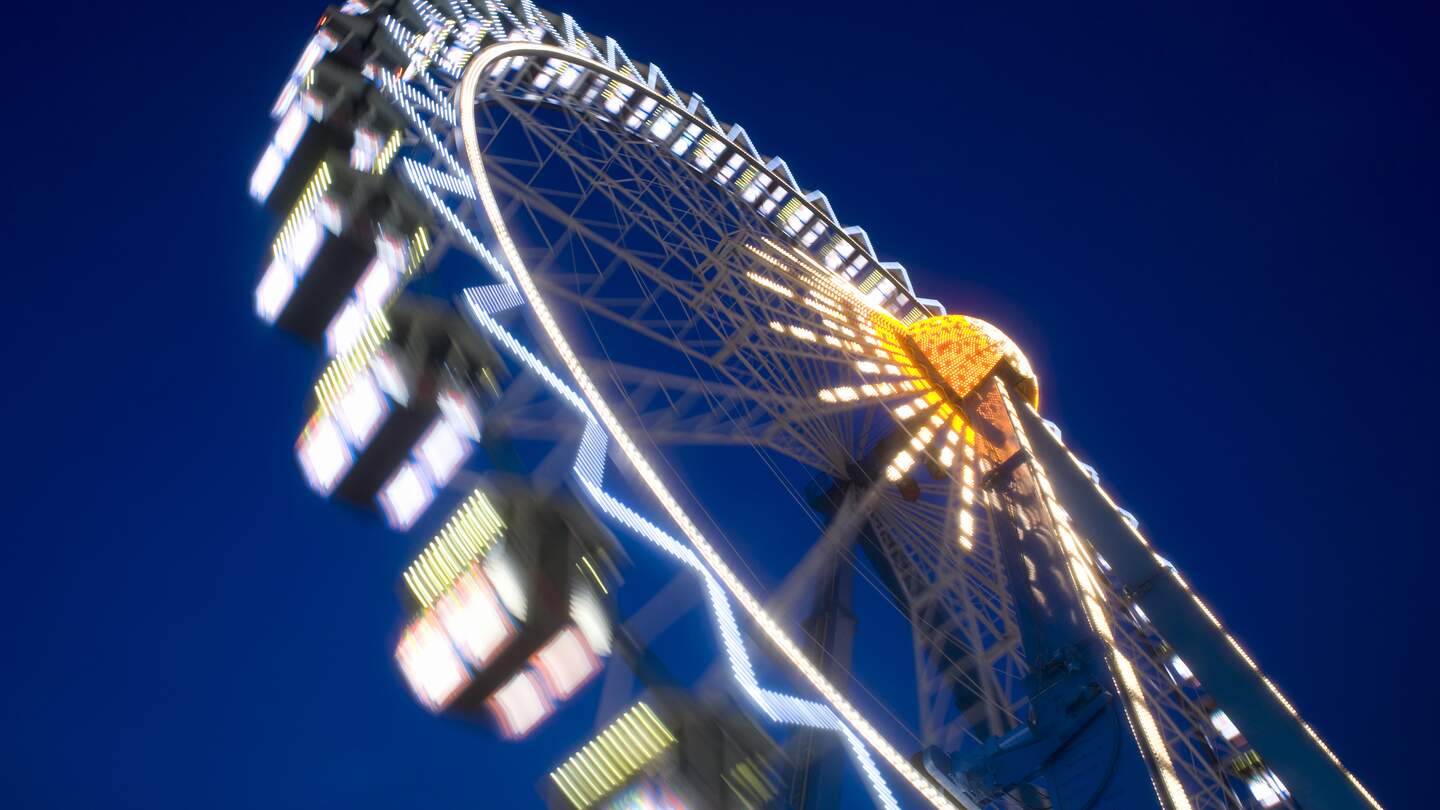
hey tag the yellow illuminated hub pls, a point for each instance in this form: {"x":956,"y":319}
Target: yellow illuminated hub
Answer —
{"x":964,"y":351}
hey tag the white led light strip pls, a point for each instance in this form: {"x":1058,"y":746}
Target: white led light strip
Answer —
{"x":748,"y":601}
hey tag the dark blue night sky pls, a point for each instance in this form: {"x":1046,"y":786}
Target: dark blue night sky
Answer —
{"x":1212,"y":227}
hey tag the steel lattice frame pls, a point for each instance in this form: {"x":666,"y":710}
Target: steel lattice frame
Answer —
{"x":518,"y":116}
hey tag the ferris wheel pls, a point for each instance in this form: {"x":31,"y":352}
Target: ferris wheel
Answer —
{"x":520,"y":249}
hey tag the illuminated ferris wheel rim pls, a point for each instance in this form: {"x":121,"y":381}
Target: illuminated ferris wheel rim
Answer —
{"x":475,"y":70}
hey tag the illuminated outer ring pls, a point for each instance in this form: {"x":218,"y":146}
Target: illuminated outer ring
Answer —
{"x":747,"y":600}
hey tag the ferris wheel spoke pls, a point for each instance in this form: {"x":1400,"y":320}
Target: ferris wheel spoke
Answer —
{"x":628,"y":200}
{"x":635,"y":308}
{"x":962,"y":634}
{"x":676,"y":409}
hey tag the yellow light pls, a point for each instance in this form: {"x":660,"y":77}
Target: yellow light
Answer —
{"x":341,"y":371}
{"x":623,"y":748}
{"x":314,"y":190}
{"x":769,"y":285}
{"x":464,"y":540}
{"x":387,"y":153}
{"x":964,"y":351}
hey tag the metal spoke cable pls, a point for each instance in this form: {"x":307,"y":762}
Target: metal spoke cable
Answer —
{"x":788,"y":486}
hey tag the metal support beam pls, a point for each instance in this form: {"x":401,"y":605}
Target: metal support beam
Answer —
{"x":1315,"y":778}
{"x":818,"y":757}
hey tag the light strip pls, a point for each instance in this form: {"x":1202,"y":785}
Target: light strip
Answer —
{"x":310,"y":197}
{"x":624,"y":747}
{"x":336,"y":378}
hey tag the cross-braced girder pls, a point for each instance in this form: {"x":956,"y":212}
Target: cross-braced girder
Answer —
{"x":683,"y":288}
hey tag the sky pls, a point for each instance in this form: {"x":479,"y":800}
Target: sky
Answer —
{"x":1211,"y":227}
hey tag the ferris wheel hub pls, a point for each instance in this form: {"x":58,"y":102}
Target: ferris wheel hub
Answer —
{"x":965,"y":351}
